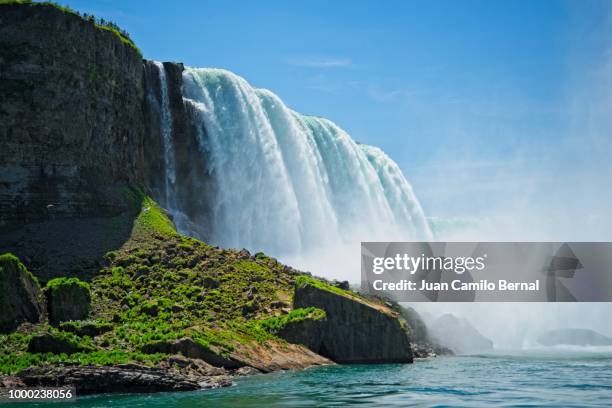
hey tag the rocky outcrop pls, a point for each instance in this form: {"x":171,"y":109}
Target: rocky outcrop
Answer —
{"x":574,"y":337}
{"x":422,"y":344}
{"x":128,"y":378}
{"x":67,"y":299}
{"x":271,"y":357}
{"x":459,"y":335}
{"x":416,"y":325}
{"x":20,"y":294}
{"x":355,"y":330}
{"x":189,"y":348}
{"x":275,"y":356}
{"x":71,"y":117}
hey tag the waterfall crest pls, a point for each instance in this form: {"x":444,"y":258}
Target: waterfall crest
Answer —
{"x":282,"y":182}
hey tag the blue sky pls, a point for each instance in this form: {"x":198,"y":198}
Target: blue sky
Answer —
{"x":478,"y":101}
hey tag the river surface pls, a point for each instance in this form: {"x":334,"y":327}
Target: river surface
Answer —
{"x":537,"y":378}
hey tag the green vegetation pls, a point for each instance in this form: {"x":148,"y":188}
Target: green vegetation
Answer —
{"x":275,"y":324}
{"x":101,"y":24}
{"x":71,"y":340}
{"x":86,"y":328}
{"x":14,"y":362}
{"x":161,"y":287}
{"x":153,"y":218}
{"x":304,"y":280}
{"x":58,"y":284}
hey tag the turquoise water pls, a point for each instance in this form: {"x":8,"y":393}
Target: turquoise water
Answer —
{"x":526,"y":379}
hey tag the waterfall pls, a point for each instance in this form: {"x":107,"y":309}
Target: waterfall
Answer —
{"x":166,"y":132}
{"x":287,"y":183}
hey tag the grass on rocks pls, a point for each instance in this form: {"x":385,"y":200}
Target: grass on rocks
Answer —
{"x":161,"y":286}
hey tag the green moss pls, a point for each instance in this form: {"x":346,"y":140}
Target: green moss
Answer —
{"x":81,"y":342}
{"x":125,"y":40}
{"x":153,"y":218}
{"x":249,"y":266}
{"x":304,"y":280}
{"x":274,"y":324}
{"x":60,"y":283}
{"x":86,"y":328}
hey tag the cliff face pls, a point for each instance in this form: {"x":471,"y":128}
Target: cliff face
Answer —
{"x":71,"y":116}
{"x":355,"y":330}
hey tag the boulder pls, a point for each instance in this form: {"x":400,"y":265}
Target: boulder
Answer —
{"x":67,"y":299}
{"x":355,"y":330}
{"x":20,"y":294}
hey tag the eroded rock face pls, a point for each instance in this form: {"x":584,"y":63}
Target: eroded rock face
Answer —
{"x":354,"y":330}
{"x":71,"y":116}
{"x":20,"y":294}
{"x":67,"y":299}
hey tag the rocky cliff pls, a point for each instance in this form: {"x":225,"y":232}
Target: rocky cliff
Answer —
{"x":355,"y":330}
{"x":71,"y":115}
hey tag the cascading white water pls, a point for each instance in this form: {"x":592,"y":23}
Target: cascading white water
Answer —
{"x":289,"y":183}
{"x":166,"y":131}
